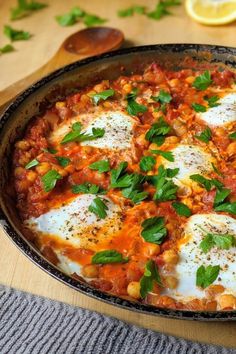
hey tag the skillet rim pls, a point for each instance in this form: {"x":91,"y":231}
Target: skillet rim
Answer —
{"x":40,"y":261}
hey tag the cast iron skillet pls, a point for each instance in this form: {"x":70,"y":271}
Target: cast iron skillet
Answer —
{"x":67,"y":80}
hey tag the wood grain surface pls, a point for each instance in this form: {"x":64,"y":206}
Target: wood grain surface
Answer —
{"x":15,"y":269}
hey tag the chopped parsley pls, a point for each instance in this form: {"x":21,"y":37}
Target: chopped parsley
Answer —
{"x":6,"y":49}
{"x":212,"y":101}
{"x":76,"y":135}
{"x":198,"y":107}
{"x":98,"y":207}
{"x":100,"y":166}
{"x":16,"y":35}
{"x":108,"y":256}
{"x":162,"y":9}
{"x":50,"y":179}
{"x":77,"y":14}
{"x":133,"y":107}
{"x":216,"y":170}
{"x":63,"y":161}
{"x":25,"y":8}
{"x":87,"y":188}
{"x":221,"y":241}
{"x":208,"y":184}
{"x":221,"y":205}
{"x":31,"y":164}
{"x":207,"y":275}
{"x":163,"y":97}
{"x":205,"y":135}
{"x":154,"y":230}
{"x":147,"y":163}
{"x":168,"y":155}
{"x":104,"y":95}
{"x":131,"y":11}
{"x":232,"y":136}
{"x":165,"y":187}
{"x":182,"y":209}
{"x":150,"y":277}
{"x":156,"y":134}
{"x":202,"y":82}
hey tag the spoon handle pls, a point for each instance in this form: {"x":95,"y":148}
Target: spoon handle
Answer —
{"x":60,"y":59}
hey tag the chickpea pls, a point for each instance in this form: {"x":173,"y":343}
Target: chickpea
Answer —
{"x":171,"y":282}
{"x":133,"y":289}
{"x":219,"y":131}
{"x":170,"y":256}
{"x":214,"y":290}
{"x":22,"y":145}
{"x":70,"y":168}
{"x":90,"y":271}
{"x":18,"y":171}
{"x":172,"y":140}
{"x":184,"y":191}
{"x":31,"y":176}
{"x":99,"y":87}
{"x":85,"y":98}
{"x":153,"y":249}
{"x":153,"y":146}
{"x":179,"y":127}
{"x":174,"y":82}
{"x":43,"y":168}
{"x":127,"y":88}
{"x":231,"y":149}
{"x":190,"y":79}
{"x":60,"y":104}
{"x":226,"y":301}
{"x":141,"y":140}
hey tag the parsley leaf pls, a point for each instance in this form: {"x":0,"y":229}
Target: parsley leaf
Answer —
{"x":147,"y":163}
{"x":16,"y":35}
{"x":77,"y":14}
{"x":6,"y":49}
{"x":168,"y":155}
{"x":205,"y":135}
{"x":50,"y":179}
{"x":232,"y":136}
{"x":207,"y":275}
{"x":131,"y":11}
{"x":212,"y":101}
{"x":50,"y":150}
{"x":100,"y":166}
{"x":163,"y":97}
{"x":154,"y":230}
{"x":119,"y":179}
{"x":133,"y":107}
{"x":227,"y":207}
{"x":87,"y":188}
{"x":90,"y":20}
{"x":25,"y":8}
{"x":149,"y":278}
{"x":162,"y":9}
{"x":108,"y":256}
{"x":216,"y":169}
{"x":104,"y":95}
{"x":63,"y":161}
{"x":222,"y":241}
{"x":98,"y":207}
{"x":221,"y":195}
{"x":156,"y":134}
{"x":165,"y":188}
{"x":134,"y":190}
{"x":208,"y":184}
{"x":76,"y":135}
{"x":202,"y":82}
{"x":31,"y":164}
{"x":182,"y":209}
{"x":198,"y":107}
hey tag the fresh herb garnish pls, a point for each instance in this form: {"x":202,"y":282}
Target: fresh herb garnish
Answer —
{"x":50,"y":179}
{"x":50,"y":150}
{"x":205,"y":135}
{"x":25,"y":8}
{"x":63,"y":161}
{"x":77,"y":14}
{"x":31,"y":164}
{"x":147,"y":163}
{"x":6,"y":49}
{"x":149,"y":278}
{"x":202,"y":82}
{"x":216,"y":170}
{"x":207,"y":275}
{"x":104,"y":95}
{"x":133,"y":107}
{"x":232,"y":136}
{"x":119,"y":178}
{"x":165,"y":187}
{"x":226,"y":207}
{"x":131,"y":11}
{"x":221,"y":241}
{"x":87,"y":188}
{"x":16,"y":35}
{"x":98,"y":207}
{"x":208,"y":184}
{"x":163,"y":97}
{"x":212,"y":101}
{"x":108,"y":256}
{"x":76,"y":135}
{"x":220,"y":204}
{"x":198,"y":107}
{"x":182,"y":209}
{"x":100,"y":166}
{"x":156,"y":134}
{"x":154,"y":230}
{"x":168,"y":155}
{"x":162,"y":9}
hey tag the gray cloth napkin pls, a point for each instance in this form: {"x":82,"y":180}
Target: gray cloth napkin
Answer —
{"x":34,"y":325}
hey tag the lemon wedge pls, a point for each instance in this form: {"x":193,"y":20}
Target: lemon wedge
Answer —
{"x":212,"y":12}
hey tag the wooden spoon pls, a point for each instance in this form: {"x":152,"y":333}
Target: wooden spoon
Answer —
{"x":82,"y":44}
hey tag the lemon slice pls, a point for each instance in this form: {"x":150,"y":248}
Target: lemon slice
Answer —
{"x":212,"y":12}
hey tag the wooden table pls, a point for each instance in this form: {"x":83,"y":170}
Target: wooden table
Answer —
{"x":15,"y":269}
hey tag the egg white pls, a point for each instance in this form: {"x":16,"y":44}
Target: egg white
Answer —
{"x":118,"y":128}
{"x":74,"y":224}
{"x":192,"y":257}
{"x":222,"y":114}
{"x":190,"y":159}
